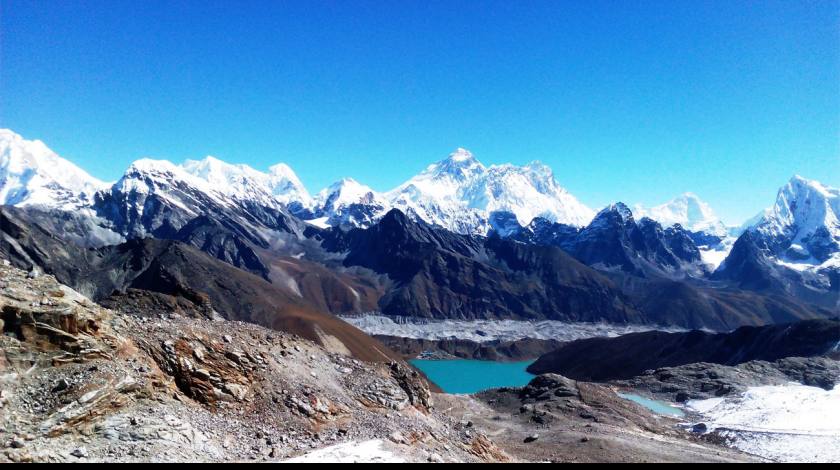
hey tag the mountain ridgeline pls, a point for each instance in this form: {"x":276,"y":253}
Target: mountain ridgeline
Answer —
{"x":628,"y":356}
{"x":459,"y":241}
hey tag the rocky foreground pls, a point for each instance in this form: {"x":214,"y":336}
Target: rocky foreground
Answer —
{"x":82,"y":383}
{"x":555,"y":419}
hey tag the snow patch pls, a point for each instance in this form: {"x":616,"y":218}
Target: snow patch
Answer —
{"x":320,"y":222}
{"x":372,"y":451}
{"x":789,"y":423}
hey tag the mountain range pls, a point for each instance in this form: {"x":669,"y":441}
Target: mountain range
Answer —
{"x":459,"y":240}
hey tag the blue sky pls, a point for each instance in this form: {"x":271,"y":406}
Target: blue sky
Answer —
{"x":627,"y":100}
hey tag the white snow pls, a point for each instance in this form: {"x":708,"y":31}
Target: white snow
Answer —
{"x":790,"y":423}
{"x":372,"y":451}
{"x":165,"y":179}
{"x":352,"y":203}
{"x":459,"y":194}
{"x":320,"y":222}
{"x":490,"y":330}
{"x":687,"y":210}
{"x":804,"y":210}
{"x":713,"y":256}
{"x":33,"y":175}
{"x":279,"y":185}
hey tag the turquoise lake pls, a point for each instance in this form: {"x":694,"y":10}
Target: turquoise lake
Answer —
{"x":654,"y":405}
{"x":468,"y":376}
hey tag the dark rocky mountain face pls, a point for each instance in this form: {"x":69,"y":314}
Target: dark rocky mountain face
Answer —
{"x":545,"y":232}
{"x":497,"y":350}
{"x":627,"y":356}
{"x":794,"y":247}
{"x":753,"y":265}
{"x":615,"y":241}
{"x":191,"y":277}
{"x":398,"y":267}
{"x":704,"y":238}
{"x":439,"y":274}
{"x":158,"y":204}
{"x":135,"y":214}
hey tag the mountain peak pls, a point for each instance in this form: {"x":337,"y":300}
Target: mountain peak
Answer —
{"x":461,"y":155}
{"x":348,"y":191}
{"x":217,"y":171}
{"x":801,"y":183}
{"x":152,"y":165}
{"x":279,"y":185}
{"x":617,"y":208}
{"x":282,"y":169}
{"x":460,"y":165}
{"x":32,"y":174}
{"x":805,"y":219}
{"x":687,"y":210}
{"x":346,"y":182}
{"x":350,"y":203}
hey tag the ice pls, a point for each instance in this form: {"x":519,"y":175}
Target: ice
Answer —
{"x":490,"y":330}
{"x":372,"y":451}
{"x":789,"y":423}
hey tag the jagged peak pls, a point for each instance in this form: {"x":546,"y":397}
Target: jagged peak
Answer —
{"x":616,"y":208}
{"x":799,"y":183}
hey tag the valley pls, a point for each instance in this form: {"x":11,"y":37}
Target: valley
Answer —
{"x":212,"y":312}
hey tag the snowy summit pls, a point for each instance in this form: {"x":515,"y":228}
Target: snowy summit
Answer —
{"x":687,"y":210}
{"x":33,"y":175}
{"x":460,"y":194}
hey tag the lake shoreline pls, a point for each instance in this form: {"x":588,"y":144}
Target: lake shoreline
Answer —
{"x":468,"y":376}
{"x":446,"y":349}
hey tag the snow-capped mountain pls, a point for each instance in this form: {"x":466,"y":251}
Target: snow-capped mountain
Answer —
{"x":33,"y":175}
{"x":461,"y":194}
{"x":687,"y":210}
{"x":157,"y":197}
{"x":794,"y":246}
{"x":349,"y":203}
{"x":803,"y":226}
{"x":617,"y":240}
{"x":280,"y":185}
{"x":211,"y":212}
{"x":712,"y":236}
{"x":457,"y":193}
{"x":529,"y":192}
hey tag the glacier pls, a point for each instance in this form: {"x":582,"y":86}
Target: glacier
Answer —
{"x":481,"y":331}
{"x":786,"y":423}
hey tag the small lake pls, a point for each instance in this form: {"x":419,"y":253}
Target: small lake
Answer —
{"x":659,"y":407}
{"x":461,"y":376}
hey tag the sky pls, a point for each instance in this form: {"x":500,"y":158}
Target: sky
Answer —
{"x":633,"y":101}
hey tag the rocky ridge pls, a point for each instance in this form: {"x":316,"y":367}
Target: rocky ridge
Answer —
{"x":79,"y":382}
{"x":556,"y":419}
